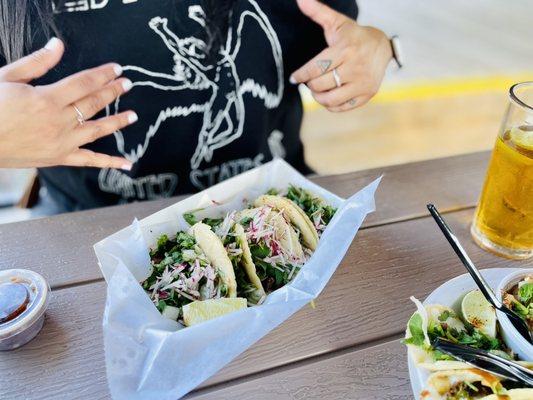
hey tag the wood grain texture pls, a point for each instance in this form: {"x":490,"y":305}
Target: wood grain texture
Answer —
{"x":66,"y":360}
{"x":378,"y":372}
{"x":60,"y":247}
{"x":402,"y":131}
{"x":384,"y":266}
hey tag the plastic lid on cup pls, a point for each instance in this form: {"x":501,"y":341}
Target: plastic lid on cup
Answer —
{"x":24,"y":298}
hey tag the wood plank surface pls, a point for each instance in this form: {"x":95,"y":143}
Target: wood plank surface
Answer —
{"x":384,"y":266}
{"x":60,"y":247}
{"x":378,"y":372}
{"x":66,"y":359}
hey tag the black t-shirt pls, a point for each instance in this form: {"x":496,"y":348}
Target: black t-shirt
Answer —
{"x":200,"y":121}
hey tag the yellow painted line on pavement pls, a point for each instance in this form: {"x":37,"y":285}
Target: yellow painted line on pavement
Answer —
{"x":439,"y":88}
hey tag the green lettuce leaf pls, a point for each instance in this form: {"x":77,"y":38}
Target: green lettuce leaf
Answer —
{"x":525,"y":293}
{"x":417,"y":331}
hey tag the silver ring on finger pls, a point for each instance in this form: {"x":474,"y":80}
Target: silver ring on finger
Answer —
{"x":352,"y":102}
{"x":337,"y":78}
{"x":79,"y":115}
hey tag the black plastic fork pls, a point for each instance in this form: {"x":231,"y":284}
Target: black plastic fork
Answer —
{"x":520,"y":325}
{"x":486,"y":361}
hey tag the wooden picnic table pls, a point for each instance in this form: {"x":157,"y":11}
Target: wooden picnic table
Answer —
{"x":347,"y":348}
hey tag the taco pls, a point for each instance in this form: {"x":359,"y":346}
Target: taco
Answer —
{"x":309,"y":213}
{"x":189,"y":267}
{"x":269,"y":242}
{"x":216,"y":254}
{"x":264,"y":248}
{"x":294,"y":214}
{"x":437,"y":321}
{"x":250,"y":285}
{"x":466,"y":384}
{"x":282,"y":230}
{"x":316,"y":208}
{"x":271,"y":247}
{"x":471,"y":384}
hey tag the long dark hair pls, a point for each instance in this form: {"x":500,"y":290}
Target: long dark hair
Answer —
{"x":22,"y":20}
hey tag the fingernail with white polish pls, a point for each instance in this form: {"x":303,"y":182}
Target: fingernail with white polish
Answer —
{"x":132,"y":117}
{"x":127,"y":85}
{"x":126,"y":167}
{"x":292,"y":80}
{"x":118,"y":69}
{"x":52,"y":44}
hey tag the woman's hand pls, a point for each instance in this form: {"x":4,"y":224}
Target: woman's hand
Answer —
{"x":40,"y":125}
{"x":349,"y":72}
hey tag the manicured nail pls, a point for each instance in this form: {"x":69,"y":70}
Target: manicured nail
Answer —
{"x":53,"y":44}
{"x":126,"y":166}
{"x":293,"y":80}
{"x":132,"y":117}
{"x":118,"y":69}
{"x":127,"y":85}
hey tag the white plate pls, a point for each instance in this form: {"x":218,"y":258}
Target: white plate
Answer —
{"x":450,"y":294}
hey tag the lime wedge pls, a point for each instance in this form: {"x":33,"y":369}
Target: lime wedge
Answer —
{"x":522,"y":138}
{"x":200,"y":311}
{"x":171,"y":312}
{"x":479,"y":313}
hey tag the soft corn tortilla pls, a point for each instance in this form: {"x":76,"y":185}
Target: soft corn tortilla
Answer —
{"x":295,"y":215}
{"x":215,"y":252}
{"x":284,"y":232}
{"x":287,"y":235}
{"x":247,"y":261}
{"x":440,"y":383}
{"x":513,"y":394}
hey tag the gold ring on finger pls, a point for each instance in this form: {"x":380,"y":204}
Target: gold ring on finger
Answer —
{"x":79,"y":115}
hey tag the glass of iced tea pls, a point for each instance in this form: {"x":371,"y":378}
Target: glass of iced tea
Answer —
{"x":503,"y":223}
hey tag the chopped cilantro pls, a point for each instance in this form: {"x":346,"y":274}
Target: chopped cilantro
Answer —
{"x":470,"y":336}
{"x":213,"y":222}
{"x":312,"y":205}
{"x":161,"y":305}
{"x":525,"y":293}
{"x":246,"y":221}
{"x":190,"y":218}
{"x":185,"y":241}
{"x":444,"y":316}
{"x":259,"y":251}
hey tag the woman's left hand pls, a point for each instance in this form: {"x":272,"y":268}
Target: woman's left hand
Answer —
{"x":348,"y":73}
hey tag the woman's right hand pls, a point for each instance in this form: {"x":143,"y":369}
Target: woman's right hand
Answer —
{"x":39,"y":125}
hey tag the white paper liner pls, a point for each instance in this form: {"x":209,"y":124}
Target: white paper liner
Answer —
{"x":151,"y":357}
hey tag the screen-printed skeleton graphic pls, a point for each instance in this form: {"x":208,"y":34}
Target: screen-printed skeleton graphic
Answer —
{"x":224,"y":112}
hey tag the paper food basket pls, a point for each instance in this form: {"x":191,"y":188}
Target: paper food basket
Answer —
{"x":151,"y":357}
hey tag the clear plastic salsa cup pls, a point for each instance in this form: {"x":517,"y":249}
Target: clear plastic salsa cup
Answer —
{"x":24,"y":297}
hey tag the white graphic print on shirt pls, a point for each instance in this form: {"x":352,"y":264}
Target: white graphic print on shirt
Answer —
{"x":224,"y":113}
{"x":147,"y":187}
{"x":202,"y":179}
{"x":275,"y":145}
{"x":163,"y":185}
{"x":86,"y":5}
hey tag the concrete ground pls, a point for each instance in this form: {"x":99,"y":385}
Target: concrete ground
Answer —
{"x":461,"y":59}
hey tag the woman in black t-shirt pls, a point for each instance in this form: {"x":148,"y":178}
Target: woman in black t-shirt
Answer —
{"x":211,"y":89}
